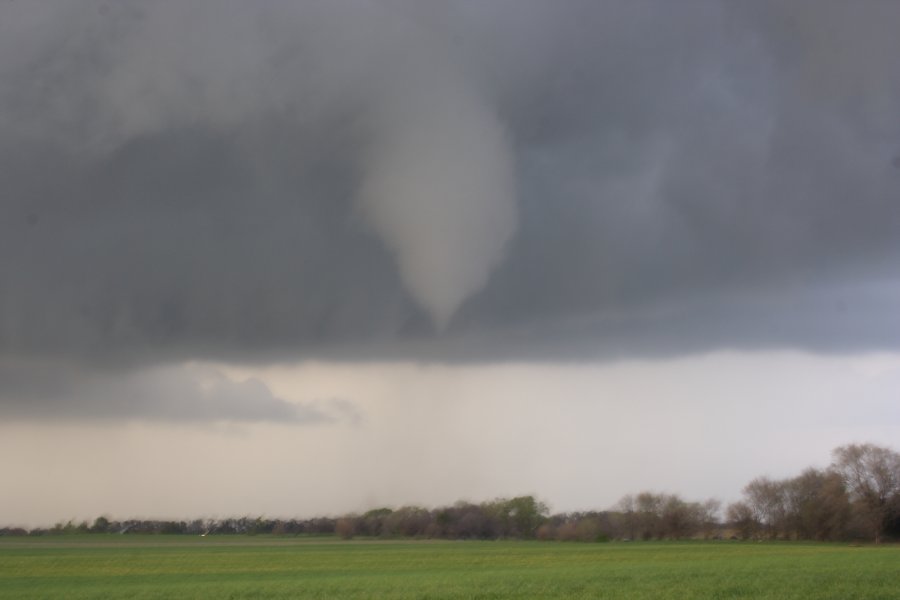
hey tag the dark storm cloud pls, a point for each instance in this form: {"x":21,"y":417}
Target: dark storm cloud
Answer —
{"x":453,"y":180}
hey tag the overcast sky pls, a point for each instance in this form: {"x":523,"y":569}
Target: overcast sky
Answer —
{"x":297,"y":258}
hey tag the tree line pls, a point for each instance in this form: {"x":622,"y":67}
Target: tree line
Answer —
{"x":856,"y":497}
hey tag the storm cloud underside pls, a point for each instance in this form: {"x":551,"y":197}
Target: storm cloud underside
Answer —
{"x":451,"y":181}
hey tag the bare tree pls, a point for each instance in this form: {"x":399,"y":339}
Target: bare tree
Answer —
{"x":818,"y":506}
{"x":872,"y":476}
{"x":708,"y":516}
{"x":743,"y":519}
{"x":678,"y":519}
{"x":649,"y":508}
{"x":627,"y":507}
{"x":767,"y":498}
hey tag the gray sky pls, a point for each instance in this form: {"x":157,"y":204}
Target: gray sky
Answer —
{"x":200,"y":197}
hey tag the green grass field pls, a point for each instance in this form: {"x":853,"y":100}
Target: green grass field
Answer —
{"x":273,"y":567}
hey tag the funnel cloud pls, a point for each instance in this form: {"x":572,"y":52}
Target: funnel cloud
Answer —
{"x":439,"y":189}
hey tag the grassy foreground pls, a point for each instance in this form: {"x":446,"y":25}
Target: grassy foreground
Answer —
{"x":271,"y":567}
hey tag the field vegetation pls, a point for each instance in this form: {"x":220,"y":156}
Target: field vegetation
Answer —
{"x":155,"y":566}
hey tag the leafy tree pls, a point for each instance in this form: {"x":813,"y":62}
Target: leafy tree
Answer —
{"x":101,"y":525}
{"x":525,"y":515}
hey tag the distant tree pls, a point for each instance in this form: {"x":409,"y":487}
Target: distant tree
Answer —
{"x":872,"y":476}
{"x":627,"y":508}
{"x":708,"y":516}
{"x":768,"y":501}
{"x":279,"y":527}
{"x":474,"y":521}
{"x":408,"y":521}
{"x":678,"y":519}
{"x":743,"y":519}
{"x":70,"y":527}
{"x":373,"y":522}
{"x":649,"y":508}
{"x":517,"y":517}
{"x":345,"y":527}
{"x":892,"y":526}
{"x":818,"y":505}
{"x":546,"y":532}
{"x":101,"y":525}
{"x":525,"y":514}
{"x":172,"y":527}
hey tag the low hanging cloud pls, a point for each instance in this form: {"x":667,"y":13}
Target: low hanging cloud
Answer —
{"x":456,"y":181}
{"x":186,"y":393}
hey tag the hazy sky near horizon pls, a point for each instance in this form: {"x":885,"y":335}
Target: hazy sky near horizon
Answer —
{"x":308,"y":257}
